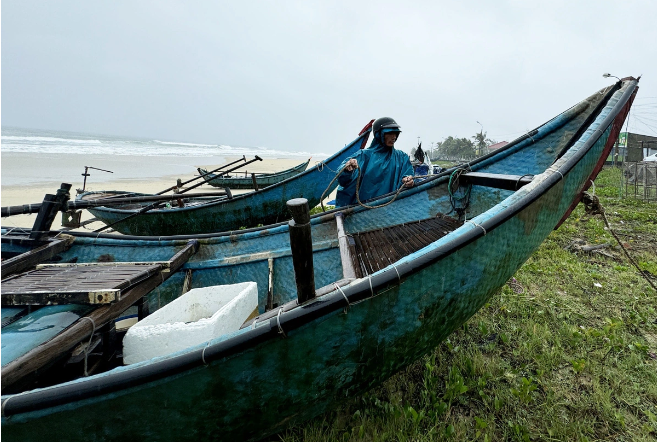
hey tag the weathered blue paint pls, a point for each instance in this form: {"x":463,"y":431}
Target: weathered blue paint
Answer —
{"x":395,"y":317}
{"x":262,"y":207}
{"x":237,"y":181}
{"x":38,"y":327}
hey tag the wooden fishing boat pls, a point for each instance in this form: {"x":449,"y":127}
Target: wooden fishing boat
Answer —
{"x":392,"y":282}
{"x":263,"y":206}
{"x":246,"y":181}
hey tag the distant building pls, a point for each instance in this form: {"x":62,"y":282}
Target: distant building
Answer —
{"x":635,"y":147}
{"x":495,"y":146}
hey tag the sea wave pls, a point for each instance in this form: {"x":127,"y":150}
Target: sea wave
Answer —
{"x":46,"y":140}
{"x":185,"y":144}
{"x":58,"y":142}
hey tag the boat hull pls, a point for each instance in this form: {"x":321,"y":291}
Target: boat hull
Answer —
{"x":265,"y":206}
{"x":246,"y":182}
{"x":293,"y":367}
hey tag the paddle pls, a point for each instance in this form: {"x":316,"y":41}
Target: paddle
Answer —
{"x":155,"y":205}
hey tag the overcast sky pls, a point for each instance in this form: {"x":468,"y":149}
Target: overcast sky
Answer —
{"x":308,"y":75}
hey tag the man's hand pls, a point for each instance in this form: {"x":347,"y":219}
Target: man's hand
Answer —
{"x":408,"y":181}
{"x":352,"y":164}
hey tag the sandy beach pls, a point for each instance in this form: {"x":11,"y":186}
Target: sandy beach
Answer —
{"x":19,"y":187}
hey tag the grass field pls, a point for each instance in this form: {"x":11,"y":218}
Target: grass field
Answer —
{"x":567,"y":351}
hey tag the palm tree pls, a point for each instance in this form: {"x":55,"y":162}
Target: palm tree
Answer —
{"x":481,"y":142}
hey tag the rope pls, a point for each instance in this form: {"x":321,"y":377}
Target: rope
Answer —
{"x":519,"y":179}
{"x":346,"y":309}
{"x":398,"y":275}
{"x":453,"y":186}
{"x":88,"y":349}
{"x":278,"y":322}
{"x":592,"y":206}
{"x":203,"y":353}
{"x":357,"y":191}
{"x":477,"y":225}
{"x":557,"y":171}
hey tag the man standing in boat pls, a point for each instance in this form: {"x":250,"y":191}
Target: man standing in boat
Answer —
{"x":380,"y":168}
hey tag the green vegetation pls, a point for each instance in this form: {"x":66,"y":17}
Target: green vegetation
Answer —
{"x":567,"y":351}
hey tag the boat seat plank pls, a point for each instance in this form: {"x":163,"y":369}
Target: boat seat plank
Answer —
{"x":377,"y":249}
{"x":83,"y":284}
{"x":496,"y":180}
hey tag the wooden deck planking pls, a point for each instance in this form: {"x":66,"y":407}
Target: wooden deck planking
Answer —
{"x":377,"y":249}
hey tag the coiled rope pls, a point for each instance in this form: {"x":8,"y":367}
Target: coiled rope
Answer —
{"x":358,"y":191}
{"x":453,"y":185}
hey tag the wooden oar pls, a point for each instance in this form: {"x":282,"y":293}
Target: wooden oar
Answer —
{"x":153,"y":206}
{"x":207,"y":173}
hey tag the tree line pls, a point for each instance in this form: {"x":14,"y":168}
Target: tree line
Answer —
{"x":452,"y":148}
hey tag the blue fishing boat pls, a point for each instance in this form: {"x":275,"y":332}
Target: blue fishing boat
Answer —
{"x":391,"y":283}
{"x":244,"y":180}
{"x":263,"y":206}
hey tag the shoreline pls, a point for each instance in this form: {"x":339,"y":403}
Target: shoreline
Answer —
{"x":30,"y":193}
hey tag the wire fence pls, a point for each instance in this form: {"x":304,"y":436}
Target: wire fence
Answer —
{"x":639,"y":180}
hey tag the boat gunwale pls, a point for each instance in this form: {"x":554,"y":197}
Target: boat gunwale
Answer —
{"x":258,"y":175}
{"x":109,"y":382}
{"x":247,"y":194}
{"x":324,"y":216}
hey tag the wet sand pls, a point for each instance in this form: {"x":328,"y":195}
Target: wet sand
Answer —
{"x":146,"y":168}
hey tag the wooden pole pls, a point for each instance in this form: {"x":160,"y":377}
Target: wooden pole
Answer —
{"x":255,"y":182}
{"x":302,"y":249}
{"x":49,"y":208}
{"x":348,"y":270}
{"x":204,"y":175}
{"x":270,"y":288}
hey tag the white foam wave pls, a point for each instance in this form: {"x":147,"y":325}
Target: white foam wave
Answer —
{"x":185,"y":144}
{"x":32,"y":142}
{"x":48,"y":140}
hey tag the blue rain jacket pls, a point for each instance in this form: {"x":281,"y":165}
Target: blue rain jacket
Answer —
{"x":383,"y":169}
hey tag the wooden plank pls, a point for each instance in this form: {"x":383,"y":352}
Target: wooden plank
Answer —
{"x":270,"y":289}
{"x":348,"y":270}
{"x":29,"y":259}
{"x":49,"y":352}
{"x":74,"y":284}
{"x":496,"y":180}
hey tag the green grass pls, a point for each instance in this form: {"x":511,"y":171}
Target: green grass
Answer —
{"x":573,"y":357}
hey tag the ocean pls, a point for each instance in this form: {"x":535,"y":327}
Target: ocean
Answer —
{"x":35,"y":156}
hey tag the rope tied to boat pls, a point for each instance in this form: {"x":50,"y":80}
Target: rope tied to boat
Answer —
{"x":88,"y":349}
{"x":453,"y":186}
{"x":557,"y":171}
{"x":398,"y":275}
{"x":278,"y":322}
{"x":592,"y":207}
{"x":321,"y":165}
{"x":520,"y":179}
{"x":346,"y":309}
{"x":203,"y":353}
{"x":476,"y":225}
{"x":360,"y":203}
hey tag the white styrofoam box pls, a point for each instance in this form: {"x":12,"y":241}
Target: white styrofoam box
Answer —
{"x":197,"y":316}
